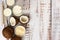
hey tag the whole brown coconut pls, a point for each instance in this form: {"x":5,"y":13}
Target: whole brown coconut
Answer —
{"x":8,"y":32}
{"x":16,"y":38}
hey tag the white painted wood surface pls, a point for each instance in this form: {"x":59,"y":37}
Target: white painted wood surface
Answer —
{"x":45,"y":18}
{"x":35,"y":22}
{"x":55,"y":20}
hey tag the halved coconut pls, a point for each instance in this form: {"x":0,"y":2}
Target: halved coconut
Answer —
{"x":7,"y":12}
{"x":24,"y":19}
{"x":17,"y":10}
{"x":12,"y":21}
{"x":10,"y":2}
{"x":20,"y":31}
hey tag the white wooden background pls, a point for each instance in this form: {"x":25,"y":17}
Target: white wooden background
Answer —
{"x":39,"y":22}
{"x":55,"y":20}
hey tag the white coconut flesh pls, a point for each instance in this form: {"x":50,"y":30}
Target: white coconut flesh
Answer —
{"x":20,"y":31}
{"x":10,"y":2}
{"x":24,"y":19}
{"x":17,"y":10}
{"x":7,"y":12}
{"x":12,"y":21}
